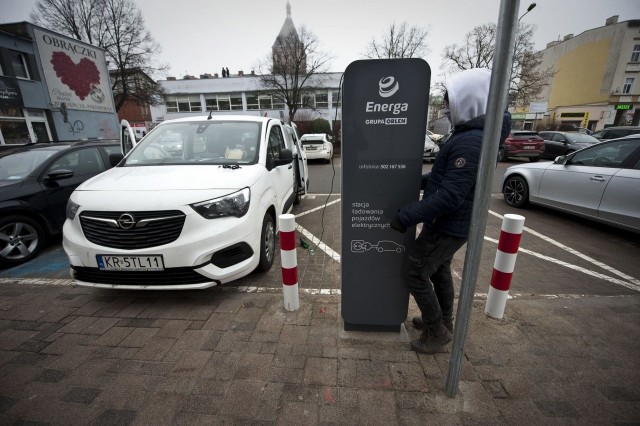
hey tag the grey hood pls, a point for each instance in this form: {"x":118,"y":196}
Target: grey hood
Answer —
{"x":468,"y":93}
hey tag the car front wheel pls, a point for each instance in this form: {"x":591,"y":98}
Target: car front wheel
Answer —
{"x":502,"y":156}
{"x":267,"y":243}
{"x":516,"y":191}
{"x":20,"y":240}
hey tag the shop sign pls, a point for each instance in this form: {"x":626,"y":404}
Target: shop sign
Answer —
{"x":76,"y":73}
{"x":10,"y":95}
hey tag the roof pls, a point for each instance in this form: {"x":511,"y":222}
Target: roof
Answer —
{"x":287,"y":29}
{"x":249,"y":83}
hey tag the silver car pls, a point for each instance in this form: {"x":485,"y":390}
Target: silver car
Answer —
{"x":601,"y":182}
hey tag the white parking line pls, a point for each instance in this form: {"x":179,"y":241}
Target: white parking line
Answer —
{"x":631,"y":282}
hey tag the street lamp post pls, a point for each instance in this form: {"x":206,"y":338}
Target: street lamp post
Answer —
{"x":529,"y":9}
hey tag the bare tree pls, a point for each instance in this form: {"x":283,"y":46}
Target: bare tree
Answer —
{"x":118,"y":27}
{"x":527,"y":78}
{"x":399,"y":42}
{"x":291,"y":72}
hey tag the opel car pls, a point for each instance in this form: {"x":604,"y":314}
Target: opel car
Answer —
{"x":204,"y":214}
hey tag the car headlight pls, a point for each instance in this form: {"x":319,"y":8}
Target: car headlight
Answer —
{"x":71,"y":210}
{"x":236,"y":204}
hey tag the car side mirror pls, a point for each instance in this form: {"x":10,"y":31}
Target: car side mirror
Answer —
{"x":60,"y":174}
{"x":115,"y":158}
{"x":286,"y":157}
{"x":561,"y":159}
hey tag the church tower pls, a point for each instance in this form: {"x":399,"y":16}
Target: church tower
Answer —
{"x":288,"y":50}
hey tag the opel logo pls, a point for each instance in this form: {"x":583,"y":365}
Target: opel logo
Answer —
{"x":126,"y":221}
{"x":388,"y":86}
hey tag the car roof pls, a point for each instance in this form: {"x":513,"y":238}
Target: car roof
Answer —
{"x":56,"y":146}
{"x":214,"y":118}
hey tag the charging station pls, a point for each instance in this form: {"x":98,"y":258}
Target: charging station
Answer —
{"x":384,"y":117}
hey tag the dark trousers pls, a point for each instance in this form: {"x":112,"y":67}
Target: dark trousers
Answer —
{"x":428,"y":275}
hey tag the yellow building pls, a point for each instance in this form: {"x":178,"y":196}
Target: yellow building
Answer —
{"x":596,"y":78}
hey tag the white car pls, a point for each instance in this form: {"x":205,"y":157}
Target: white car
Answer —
{"x":600,"y":182}
{"x":194,"y":219}
{"x":431,"y":148}
{"x":317,"y":146}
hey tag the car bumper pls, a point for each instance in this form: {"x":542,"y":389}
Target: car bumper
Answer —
{"x":323,"y":154}
{"x":202,"y":256}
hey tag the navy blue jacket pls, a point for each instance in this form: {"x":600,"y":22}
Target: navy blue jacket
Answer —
{"x":449,"y":188}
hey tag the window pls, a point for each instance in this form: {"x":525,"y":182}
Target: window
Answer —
{"x":81,"y":162}
{"x":183,"y":103}
{"x":635,"y":56}
{"x":276,"y":142}
{"x":236,"y":102}
{"x":628,"y":85}
{"x":322,"y":100}
{"x":218,"y":102}
{"x":265,"y":102}
{"x":252,"y":101}
{"x":19,"y":64}
{"x":335,"y":99}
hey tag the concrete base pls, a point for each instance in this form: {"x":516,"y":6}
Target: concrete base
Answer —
{"x":375,"y":336}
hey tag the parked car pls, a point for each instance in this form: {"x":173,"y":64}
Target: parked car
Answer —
{"x":207,"y":217}
{"x":300,"y":169}
{"x":431,"y":149}
{"x":317,"y":146}
{"x":615,"y":132}
{"x":36,"y":181}
{"x":522,"y":143}
{"x":601,"y":182}
{"x":564,"y":143}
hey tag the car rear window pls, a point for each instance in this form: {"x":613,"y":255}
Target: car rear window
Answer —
{"x":524,"y":135}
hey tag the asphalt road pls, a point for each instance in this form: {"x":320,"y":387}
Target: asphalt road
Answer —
{"x":560,"y":254}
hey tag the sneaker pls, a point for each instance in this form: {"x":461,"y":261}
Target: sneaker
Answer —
{"x":419,"y":324}
{"x":428,"y":343}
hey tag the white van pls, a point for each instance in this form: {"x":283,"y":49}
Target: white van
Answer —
{"x":205,"y":213}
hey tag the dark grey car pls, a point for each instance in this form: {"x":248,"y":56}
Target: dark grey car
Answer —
{"x":563,"y":143}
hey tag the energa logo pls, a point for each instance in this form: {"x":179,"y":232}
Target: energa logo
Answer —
{"x":388,"y":86}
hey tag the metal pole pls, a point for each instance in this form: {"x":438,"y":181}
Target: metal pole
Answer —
{"x":507,"y":25}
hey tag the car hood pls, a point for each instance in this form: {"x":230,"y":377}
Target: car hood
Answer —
{"x":536,"y":165}
{"x":8,"y":187}
{"x":173,"y":178}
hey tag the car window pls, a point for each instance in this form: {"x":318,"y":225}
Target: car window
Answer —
{"x":276,"y":142}
{"x":559,"y":138}
{"x":112,"y":149}
{"x":546,"y":135}
{"x":81,"y":162}
{"x":604,"y":155}
{"x":17,"y":165}
{"x":198,"y":142}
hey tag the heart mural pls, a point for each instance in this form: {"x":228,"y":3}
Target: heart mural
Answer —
{"x":78,"y":77}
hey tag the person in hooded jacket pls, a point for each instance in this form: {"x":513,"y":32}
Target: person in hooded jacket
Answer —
{"x":445,"y":208}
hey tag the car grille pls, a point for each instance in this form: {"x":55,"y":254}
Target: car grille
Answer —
{"x":148,"y":229}
{"x":170,"y":276}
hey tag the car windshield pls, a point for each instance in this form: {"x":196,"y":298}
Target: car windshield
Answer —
{"x":312,"y":140}
{"x":582,"y":138}
{"x":198,"y":142}
{"x":17,"y":165}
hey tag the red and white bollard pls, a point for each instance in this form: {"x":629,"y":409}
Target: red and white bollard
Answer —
{"x":508,"y":244}
{"x":289,"y":261}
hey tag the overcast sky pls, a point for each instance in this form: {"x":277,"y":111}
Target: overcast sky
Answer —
{"x":201,"y":36}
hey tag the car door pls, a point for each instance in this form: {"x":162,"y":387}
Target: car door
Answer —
{"x":281,"y":177}
{"x":85,"y":163}
{"x":549,"y":148}
{"x":621,"y":199}
{"x":578,"y":185}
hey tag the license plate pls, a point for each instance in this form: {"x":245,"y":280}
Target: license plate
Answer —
{"x":310,"y":148}
{"x":130,"y":263}
{"x":529,"y":147}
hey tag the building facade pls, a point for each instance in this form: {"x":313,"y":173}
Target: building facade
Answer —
{"x":52,"y":87}
{"x":596,"y":81}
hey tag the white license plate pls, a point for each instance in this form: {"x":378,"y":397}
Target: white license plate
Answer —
{"x":310,"y":148}
{"x":130,"y":263}
{"x":529,"y":147}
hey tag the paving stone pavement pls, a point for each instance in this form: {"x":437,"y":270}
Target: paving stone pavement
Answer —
{"x":233,"y":355}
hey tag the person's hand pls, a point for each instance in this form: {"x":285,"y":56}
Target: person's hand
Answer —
{"x":397,"y":225}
